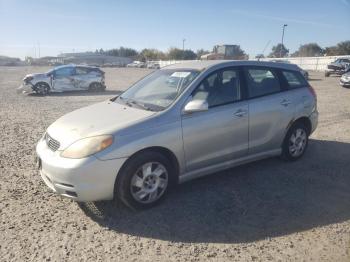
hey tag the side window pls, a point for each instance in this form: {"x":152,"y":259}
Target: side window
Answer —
{"x":261,"y":82}
{"x":64,"y":72}
{"x":80,"y":71}
{"x":219,"y":88}
{"x":294,"y":79}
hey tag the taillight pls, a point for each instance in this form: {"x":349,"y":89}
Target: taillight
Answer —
{"x":313,"y":92}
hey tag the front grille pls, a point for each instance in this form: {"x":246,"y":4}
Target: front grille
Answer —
{"x":52,"y":143}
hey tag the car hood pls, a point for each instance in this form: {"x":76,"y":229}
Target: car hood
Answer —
{"x":98,"y":119}
{"x":38,"y":75}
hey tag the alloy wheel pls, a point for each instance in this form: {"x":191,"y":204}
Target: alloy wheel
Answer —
{"x":297,"y":142}
{"x":149,"y":182}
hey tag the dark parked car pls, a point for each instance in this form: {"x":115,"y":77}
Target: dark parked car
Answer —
{"x":338,"y":67}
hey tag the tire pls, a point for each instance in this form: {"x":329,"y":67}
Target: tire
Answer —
{"x":295,"y":143}
{"x":95,"y":87}
{"x":326,"y":74}
{"x":42,"y":88}
{"x":144,"y":180}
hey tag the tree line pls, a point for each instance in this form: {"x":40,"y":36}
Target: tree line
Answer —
{"x":310,"y":50}
{"x":277,"y":51}
{"x":154,"y":54}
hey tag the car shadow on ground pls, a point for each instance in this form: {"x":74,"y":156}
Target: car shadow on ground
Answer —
{"x":80,"y":93}
{"x":265,"y":199}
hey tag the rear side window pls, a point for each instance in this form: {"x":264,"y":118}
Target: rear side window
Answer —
{"x":294,"y":79}
{"x":96,"y":71}
{"x":81,"y":71}
{"x":261,"y":82}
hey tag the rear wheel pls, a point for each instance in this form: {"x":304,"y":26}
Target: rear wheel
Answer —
{"x":144,"y":180}
{"x":295,"y":142}
{"x":95,"y":87}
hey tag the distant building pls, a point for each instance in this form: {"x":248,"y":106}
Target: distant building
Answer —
{"x":45,"y":60}
{"x":10,"y":61}
{"x":224,"y":52}
{"x":91,"y":58}
{"x":213,"y":56}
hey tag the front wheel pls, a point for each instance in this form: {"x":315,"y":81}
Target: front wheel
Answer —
{"x":42,"y":88}
{"x":295,"y":142}
{"x":145,"y":180}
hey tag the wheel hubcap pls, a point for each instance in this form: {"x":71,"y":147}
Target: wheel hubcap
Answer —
{"x":42,"y":89}
{"x":149,"y":182}
{"x":297,"y":142}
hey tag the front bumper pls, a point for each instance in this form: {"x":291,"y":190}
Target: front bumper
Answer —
{"x":314,"y":120}
{"x":25,"y":88}
{"x":344,"y":83}
{"x":87,"y":179}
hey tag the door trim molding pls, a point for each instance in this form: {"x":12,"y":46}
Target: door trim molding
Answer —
{"x":228,"y":164}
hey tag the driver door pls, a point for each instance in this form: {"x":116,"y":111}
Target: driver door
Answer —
{"x":221,"y":133}
{"x":63,"y":79}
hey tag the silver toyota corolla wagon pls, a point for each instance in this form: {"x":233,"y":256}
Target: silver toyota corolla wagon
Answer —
{"x":178,"y":123}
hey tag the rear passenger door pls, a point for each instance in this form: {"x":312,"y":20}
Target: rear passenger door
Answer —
{"x":270,"y":109}
{"x":298,"y":92}
{"x":81,"y":78}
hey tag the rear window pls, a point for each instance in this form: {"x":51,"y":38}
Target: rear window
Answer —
{"x":261,"y":82}
{"x":294,"y":79}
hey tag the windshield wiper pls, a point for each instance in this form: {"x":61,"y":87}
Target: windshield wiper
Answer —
{"x":125,"y":101}
{"x":131,"y":102}
{"x":134,"y":102}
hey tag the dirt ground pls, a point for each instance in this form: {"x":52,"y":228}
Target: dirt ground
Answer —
{"x":266,"y":211}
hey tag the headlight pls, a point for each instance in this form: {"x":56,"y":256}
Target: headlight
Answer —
{"x":28,"y":79}
{"x":87,"y":146}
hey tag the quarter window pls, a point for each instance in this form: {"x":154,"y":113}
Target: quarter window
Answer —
{"x":261,"y":82}
{"x":294,"y":79}
{"x":219,"y":88}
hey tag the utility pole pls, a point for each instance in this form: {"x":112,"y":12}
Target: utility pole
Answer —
{"x":284,"y":26}
{"x":39,"y":48}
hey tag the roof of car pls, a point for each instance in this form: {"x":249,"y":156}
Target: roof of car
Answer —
{"x":74,"y":65}
{"x":205,"y":64}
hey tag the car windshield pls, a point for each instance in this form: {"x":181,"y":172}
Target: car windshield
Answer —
{"x":50,"y":71}
{"x":158,"y":90}
{"x":55,"y":68}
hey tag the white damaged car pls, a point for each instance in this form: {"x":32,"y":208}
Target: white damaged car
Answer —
{"x":64,"y":78}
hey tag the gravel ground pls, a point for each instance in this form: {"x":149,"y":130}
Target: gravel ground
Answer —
{"x":268,"y":210}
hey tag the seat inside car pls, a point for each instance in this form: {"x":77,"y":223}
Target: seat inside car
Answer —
{"x":225,"y":92}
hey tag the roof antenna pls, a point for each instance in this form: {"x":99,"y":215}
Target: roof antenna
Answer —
{"x":264,"y":49}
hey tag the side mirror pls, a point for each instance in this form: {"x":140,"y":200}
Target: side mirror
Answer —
{"x":195,"y":106}
{"x":51,"y":75}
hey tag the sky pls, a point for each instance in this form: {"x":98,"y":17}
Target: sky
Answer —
{"x":59,"y":26}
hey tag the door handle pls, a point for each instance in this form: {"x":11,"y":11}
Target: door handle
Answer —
{"x":285,"y":102}
{"x":240,"y":112}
